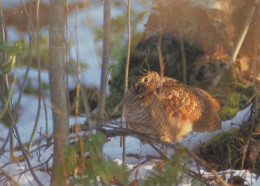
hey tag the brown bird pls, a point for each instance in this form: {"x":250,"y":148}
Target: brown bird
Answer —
{"x":167,"y":109}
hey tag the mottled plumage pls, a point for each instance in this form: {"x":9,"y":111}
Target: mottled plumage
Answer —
{"x":168,"y":109}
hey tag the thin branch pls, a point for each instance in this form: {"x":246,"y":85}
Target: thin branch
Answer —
{"x":39,"y":75}
{"x":256,"y":92}
{"x":35,"y":166}
{"x":122,"y":139}
{"x":159,"y":49}
{"x":128,"y":44}
{"x":198,"y":176}
{"x":26,"y":157}
{"x":2,"y":150}
{"x":10,"y":94}
{"x":183,"y":57}
{"x":67,"y":57}
{"x":255,"y":62}
{"x":239,"y":41}
{"x":15,"y":110}
{"x":26,"y":170}
{"x":157,"y":150}
{"x":242,"y":36}
{"x":204,"y":163}
{"x":9,"y":177}
{"x":3,"y":32}
{"x":122,"y":131}
{"x":138,"y":166}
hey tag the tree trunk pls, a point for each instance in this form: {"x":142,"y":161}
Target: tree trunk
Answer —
{"x":105,"y":62}
{"x":58,"y":91}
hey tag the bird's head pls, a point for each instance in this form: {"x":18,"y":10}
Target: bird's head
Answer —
{"x":145,"y":81}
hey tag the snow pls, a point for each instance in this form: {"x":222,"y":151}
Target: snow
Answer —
{"x":114,"y":152}
{"x":111,"y":149}
{"x":194,"y":139}
{"x":21,"y":174}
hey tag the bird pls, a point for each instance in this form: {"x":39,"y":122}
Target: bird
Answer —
{"x":168,"y":109}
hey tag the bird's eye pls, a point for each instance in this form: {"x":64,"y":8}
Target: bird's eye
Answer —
{"x":145,"y":80}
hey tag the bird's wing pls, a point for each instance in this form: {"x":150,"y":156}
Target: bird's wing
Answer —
{"x":209,"y":120}
{"x":180,"y":101}
{"x":214,"y":104}
{"x":175,"y":109}
{"x":189,"y":105}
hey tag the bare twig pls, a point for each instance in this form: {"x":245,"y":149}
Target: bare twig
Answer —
{"x":26,"y":157}
{"x":128,"y":44}
{"x":3,"y":33}
{"x":2,"y":150}
{"x":204,"y":163}
{"x":255,"y":118}
{"x":66,"y":57}
{"x":157,"y":150}
{"x":39,"y":75}
{"x":138,"y":166}
{"x":15,"y":110}
{"x":26,"y":170}
{"x":242,"y":36}
{"x":9,"y":177}
{"x":194,"y":174}
{"x":78,"y":96}
{"x":159,"y":50}
{"x":255,"y":62}
{"x":122,"y":139}
{"x":183,"y":57}
{"x":122,"y":131}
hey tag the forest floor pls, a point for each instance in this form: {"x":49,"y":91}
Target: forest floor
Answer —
{"x":140,"y":158}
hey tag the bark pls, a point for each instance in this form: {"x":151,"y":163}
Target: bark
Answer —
{"x":58,"y":92}
{"x":105,"y":62}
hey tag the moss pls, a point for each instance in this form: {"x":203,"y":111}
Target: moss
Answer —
{"x":228,"y":112}
{"x":234,"y":99}
{"x":145,"y":56}
{"x":232,"y":103}
{"x":31,"y":89}
{"x":243,"y":89}
{"x":224,"y":150}
{"x":216,"y":140}
{"x":232,"y":94}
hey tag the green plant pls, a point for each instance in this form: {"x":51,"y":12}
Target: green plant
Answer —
{"x":232,"y":94}
{"x":9,"y":56}
{"x":172,"y":171}
{"x":119,"y":36}
{"x":226,"y":150}
{"x":44,"y":50}
{"x":95,"y":166}
{"x":30,"y":89}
